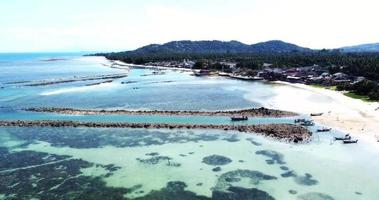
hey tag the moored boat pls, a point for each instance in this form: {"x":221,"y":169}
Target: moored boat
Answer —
{"x":350,"y":141}
{"x":239,"y":118}
{"x":346,"y":137}
{"x":202,"y":72}
{"x":300,"y":120}
{"x":307,"y":123}
{"x":324,"y":129}
{"x":316,"y":114}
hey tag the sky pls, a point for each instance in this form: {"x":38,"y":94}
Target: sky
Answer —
{"x":115,"y":25}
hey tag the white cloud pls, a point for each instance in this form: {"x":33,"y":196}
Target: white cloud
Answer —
{"x":125,"y":25}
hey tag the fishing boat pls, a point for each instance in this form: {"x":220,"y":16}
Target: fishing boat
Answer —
{"x":239,"y":118}
{"x":350,"y":141}
{"x":346,"y":137}
{"x":202,"y":72}
{"x":324,"y":129}
{"x":158,"y":72}
{"x":300,"y":120}
{"x":307,"y":123}
{"x":316,"y":114}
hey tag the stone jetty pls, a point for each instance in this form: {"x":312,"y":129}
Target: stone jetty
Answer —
{"x":254,"y":112}
{"x":69,"y":80}
{"x":284,"y":132}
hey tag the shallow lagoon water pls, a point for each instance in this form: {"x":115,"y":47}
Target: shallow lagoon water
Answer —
{"x":141,"y":90}
{"x":149,"y":159}
{"x":56,"y":163}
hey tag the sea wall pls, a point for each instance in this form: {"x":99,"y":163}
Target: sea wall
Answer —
{"x":254,"y":112}
{"x":284,"y":132}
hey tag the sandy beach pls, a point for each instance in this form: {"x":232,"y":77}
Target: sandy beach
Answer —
{"x":340,"y":112}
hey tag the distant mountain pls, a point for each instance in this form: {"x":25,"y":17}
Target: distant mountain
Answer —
{"x":373,"y":47}
{"x":215,"y":46}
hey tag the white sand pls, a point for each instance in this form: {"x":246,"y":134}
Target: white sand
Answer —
{"x":347,"y":114}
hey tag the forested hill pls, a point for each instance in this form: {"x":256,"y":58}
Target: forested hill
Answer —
{"x":275,"y":52}
{"x":374,"y":47}
{"x":215,"y":46}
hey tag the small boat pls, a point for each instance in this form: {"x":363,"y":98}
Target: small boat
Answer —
{"x":346,"y":137}
{"x":202,"y":72}
{"x":307,"y":123}
{"x":316,"y":114}
{"x":158,"y":72}
{"x":300,"y":120}
{"x":350,"y":141}
{"x":324,"y":129}
{"x":239,"y":118}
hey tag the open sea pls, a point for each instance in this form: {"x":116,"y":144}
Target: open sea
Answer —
{"x":110,"y":163}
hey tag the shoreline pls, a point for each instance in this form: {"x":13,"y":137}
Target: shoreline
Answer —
{"x":121,"y":63}
{"x":254,"y":112}
{"x":365,"y":123}
{"x":281,"y":132}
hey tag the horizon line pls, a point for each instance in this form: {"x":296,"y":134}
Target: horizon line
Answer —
{"x":132,"y":49}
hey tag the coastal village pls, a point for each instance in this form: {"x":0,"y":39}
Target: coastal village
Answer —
{"x":315,"y":74}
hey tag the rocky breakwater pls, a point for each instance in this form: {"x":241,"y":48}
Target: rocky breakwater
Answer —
{"x":254,"y":112}
{"x":283,"y":132}
{"x":69,"y":80}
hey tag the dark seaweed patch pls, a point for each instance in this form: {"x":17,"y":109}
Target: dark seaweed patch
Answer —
{"x":98,"y":137}
{"x":358,"y":193}
{"x":50,"y":177}
{"x":305,"y":180}
{"x":232,"y":180}
{"x":176,"y":190}
{"x":173,"y":191}
{"x":111,"y":167}
{"x":159,"y":159}
{"x":292,"y":191}
{"x":255,"y":177}
{"x":152,"y":154}
{"x":284,"y":168}
{"x":252,"y":141}
{"x":275,"y":157}
{"x":232,"y":138}
{"x":288,"y":174}
{"x":216,"y":169}
{"x":238,"y":193}
{"x":315,"y":196}
{"x":216,"y":160}
{"x":11,"y":160}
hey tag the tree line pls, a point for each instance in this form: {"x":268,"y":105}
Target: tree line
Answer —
{"x":354,"y":64}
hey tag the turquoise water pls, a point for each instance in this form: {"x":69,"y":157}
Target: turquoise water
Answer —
{"x":173,"y":90}
{"x":101,"y":163}
{"x":144,"y":161}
